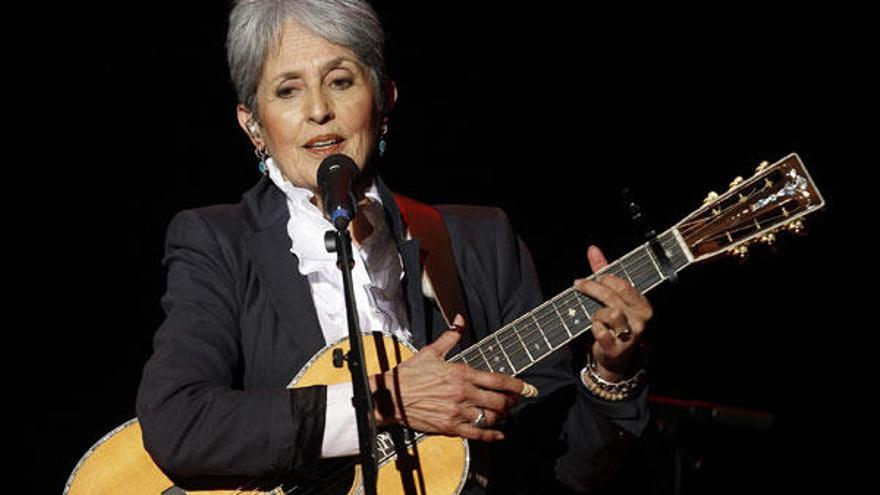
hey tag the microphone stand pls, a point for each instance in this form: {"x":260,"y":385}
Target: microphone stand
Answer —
{"x":339,"y":241}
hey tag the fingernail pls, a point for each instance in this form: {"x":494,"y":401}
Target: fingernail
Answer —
{"x":458,"y":321}
{"x":529,"y":390}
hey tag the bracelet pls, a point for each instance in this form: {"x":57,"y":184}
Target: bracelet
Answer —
{"x":612,"y":391}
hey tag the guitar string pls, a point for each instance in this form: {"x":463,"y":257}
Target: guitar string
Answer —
{"x":699,"y":223}
{"x":691,"y":229}
{"x":540,"y":334}
{"x":698,"y":240}
{"x":512,"y":344}
{"x":530,"y":329}
{"x":520,"y":320}
{"x":745,"y":228}
{"x":557,"y":328}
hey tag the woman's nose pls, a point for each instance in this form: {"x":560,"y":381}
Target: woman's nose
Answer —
{"x":320,"y":108}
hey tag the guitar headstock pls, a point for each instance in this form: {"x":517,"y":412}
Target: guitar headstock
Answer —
{"x":775,"y":198}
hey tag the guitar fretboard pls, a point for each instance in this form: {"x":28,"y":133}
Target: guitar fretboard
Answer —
{"x":536,"y":334}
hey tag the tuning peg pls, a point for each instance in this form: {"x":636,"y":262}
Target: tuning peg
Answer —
{"x":710,"y":198}
{"x":740,"y":251}
{"x":796,"y":227}
{"x":761,"y":167}
{"x":737,"y":181}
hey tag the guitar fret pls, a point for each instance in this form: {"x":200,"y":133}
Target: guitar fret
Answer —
{"x":553,"y":326}
{"x":540,"y":330}
{"x":643,"y":266}
{"x":516,"y":332}
{"x":474,"y":358}
{"x":614,"y":269}
{"x":561,"y":318}
{"x":656,"y":265}
{"x":513,"y":369}
{"x":513,"y":348}
{"x":575,"y":316}
{"x":534,"y":339}
{"x":625,"y":272}
{"x":493,"y":353}
{"x":488,"y":365}
{"x":581,"y":304}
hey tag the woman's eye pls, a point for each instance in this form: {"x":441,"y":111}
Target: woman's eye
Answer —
{"x":285,"y":91}
{"x":342,"y":83}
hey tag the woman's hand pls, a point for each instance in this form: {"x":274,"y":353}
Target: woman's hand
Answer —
{"x":430,"y":395}
{"x":618,"y":326}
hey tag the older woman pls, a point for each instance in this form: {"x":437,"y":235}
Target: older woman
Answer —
{"x":252,"y":294}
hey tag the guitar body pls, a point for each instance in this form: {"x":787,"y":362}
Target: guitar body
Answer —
{"x":434,"y":464}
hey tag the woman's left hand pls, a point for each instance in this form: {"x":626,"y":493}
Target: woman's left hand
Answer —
{"x":619,"y":325}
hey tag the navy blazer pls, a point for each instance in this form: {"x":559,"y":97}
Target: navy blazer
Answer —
{"x":240,"y":323}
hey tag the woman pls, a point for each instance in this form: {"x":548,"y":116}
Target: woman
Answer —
{"x":252,"y":294}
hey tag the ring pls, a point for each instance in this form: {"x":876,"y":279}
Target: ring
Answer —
{"x":623,"y":335}
{"x":481,"y":419}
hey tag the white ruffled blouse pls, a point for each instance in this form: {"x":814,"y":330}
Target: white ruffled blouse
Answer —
{"x":376,"y":275}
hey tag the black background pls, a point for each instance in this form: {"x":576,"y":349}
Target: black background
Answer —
{"x":545,"y":109}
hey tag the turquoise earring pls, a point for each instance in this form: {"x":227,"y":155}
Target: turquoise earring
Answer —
{"x":262,"y":155}
{"x":382,"y":143}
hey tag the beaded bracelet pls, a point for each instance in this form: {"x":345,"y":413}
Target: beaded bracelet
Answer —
{"x":611,"y":391}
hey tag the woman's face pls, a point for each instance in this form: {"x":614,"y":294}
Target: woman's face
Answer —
{"x":315,"y":99}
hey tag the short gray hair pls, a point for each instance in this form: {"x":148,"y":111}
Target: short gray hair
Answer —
{"x":255,"y":26}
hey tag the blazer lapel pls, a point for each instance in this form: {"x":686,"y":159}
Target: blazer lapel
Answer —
{"x":278,"y":267}
{"x":412,"y":266}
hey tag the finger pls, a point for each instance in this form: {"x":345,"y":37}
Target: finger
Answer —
{"x":445,"y":342}
{"x":496,"y":381}
{"x":630,"y":295}
{"x":529,"y":391}
{"x":596,"y":258}
{"x":599,"y":292}
{"x":458,"y":321}
{"x":613,"y":318}
{"x":471,"y":432}
{"x":490,"y":400}
{"x":490,"y":417}
{"x":603,"y":336}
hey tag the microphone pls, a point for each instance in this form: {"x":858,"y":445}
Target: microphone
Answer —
{"x":336,"y":176}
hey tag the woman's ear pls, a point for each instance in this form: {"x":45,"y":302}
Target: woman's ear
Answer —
{"x":390,"y":98}
{"x":250,"y":125}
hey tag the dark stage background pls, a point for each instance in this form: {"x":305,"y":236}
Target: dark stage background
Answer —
{"x":544,"y":109}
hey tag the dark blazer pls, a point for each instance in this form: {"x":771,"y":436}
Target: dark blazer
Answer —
{"x":240,"y":323}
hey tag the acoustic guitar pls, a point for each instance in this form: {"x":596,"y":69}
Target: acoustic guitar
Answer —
{"x":753,"y":210}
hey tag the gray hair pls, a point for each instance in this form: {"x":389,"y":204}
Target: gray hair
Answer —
{"x":255,"y":27}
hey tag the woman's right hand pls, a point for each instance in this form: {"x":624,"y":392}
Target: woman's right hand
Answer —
{"x":428,"y":394}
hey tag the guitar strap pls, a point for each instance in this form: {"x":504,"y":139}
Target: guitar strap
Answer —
{"x":425,"y":223}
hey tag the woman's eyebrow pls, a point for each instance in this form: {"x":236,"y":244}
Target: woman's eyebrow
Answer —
{"x":327,"y":67}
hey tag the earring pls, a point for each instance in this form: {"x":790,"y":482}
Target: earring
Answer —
{"x":262,"y":155}
{"x":382,"y":143}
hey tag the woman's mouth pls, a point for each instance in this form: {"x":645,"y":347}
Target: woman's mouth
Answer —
{"x":324,"y":145}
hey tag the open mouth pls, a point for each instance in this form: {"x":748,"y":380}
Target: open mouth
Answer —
{"x":324,"y":144}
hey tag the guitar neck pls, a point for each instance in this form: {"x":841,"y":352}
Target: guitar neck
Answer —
{"x":535,"y":335}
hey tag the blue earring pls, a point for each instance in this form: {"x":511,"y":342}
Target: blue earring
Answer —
{"x":262,"y":155}
{"x":382,"y":143}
